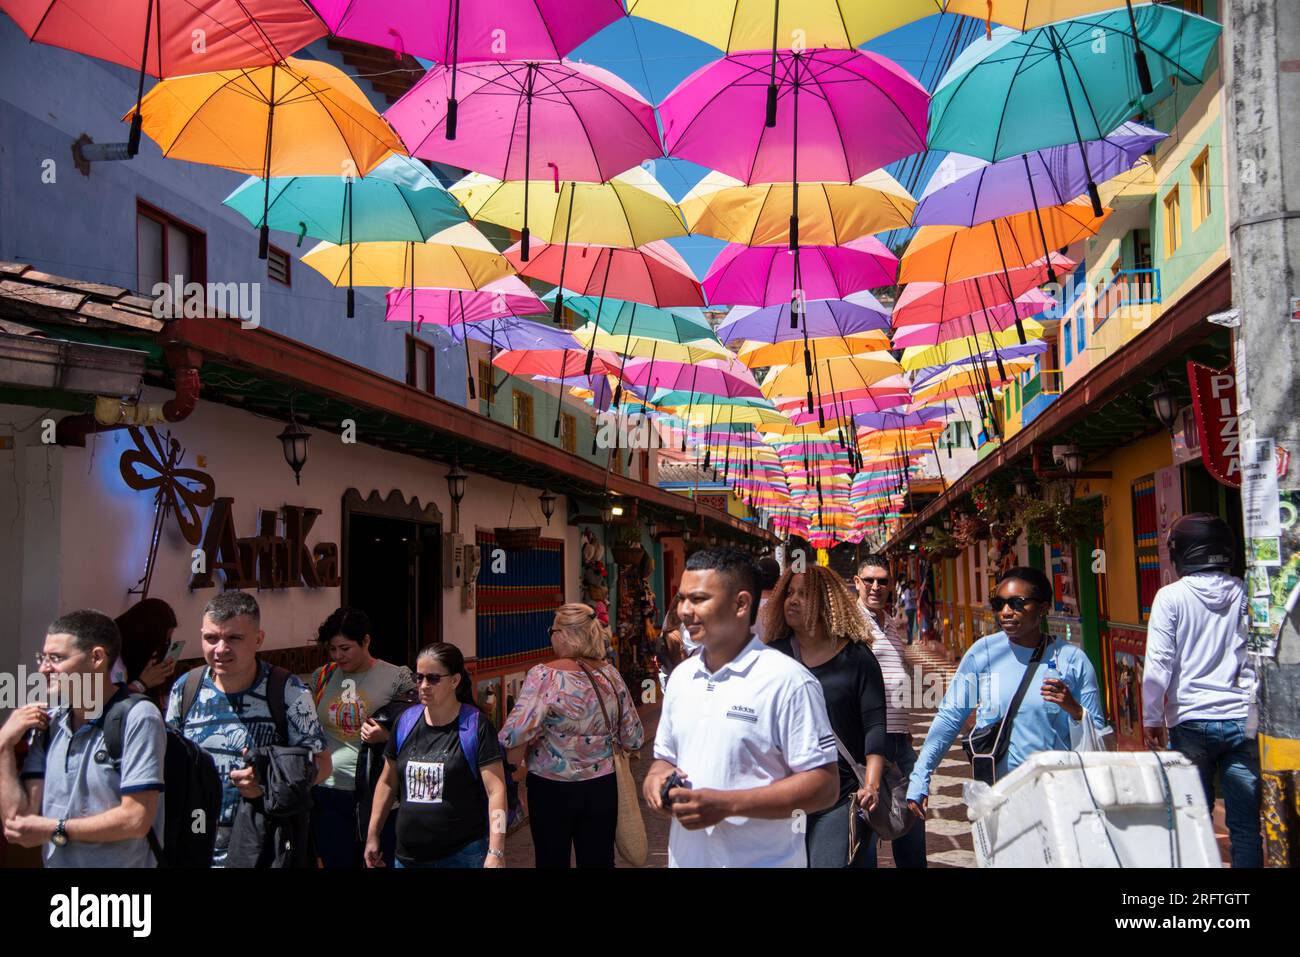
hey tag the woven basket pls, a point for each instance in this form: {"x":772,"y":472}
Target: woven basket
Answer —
{"x":518,"y":539}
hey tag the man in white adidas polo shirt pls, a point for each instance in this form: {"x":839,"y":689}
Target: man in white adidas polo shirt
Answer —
{"x":745,"y":725}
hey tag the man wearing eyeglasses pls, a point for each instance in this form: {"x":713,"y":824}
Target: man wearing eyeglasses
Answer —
{"x":85,"y":809}
{"x":875,"y":586}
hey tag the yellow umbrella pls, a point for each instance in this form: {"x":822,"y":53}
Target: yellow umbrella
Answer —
{"x":735,"y":414}
{"x":630,"y":210}
{"x":696,"y":350}
{"x":842,"y":374}
{"x":757,"y":355}
{"x":459,"y":257}
{"x":954,"y":350}
{"x":829,"y":213}
{"x":732,"y":25}
{"x":294,"y":118}
{"x":1028,"y":14}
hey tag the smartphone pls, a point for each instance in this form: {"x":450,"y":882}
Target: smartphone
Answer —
{"x":174,"y":651}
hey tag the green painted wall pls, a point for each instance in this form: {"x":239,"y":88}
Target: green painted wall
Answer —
{"x":1199,"y":242}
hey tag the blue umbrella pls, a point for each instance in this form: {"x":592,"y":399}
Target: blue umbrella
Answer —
{"x":398,"y":201}
{"x":1065,"y":82}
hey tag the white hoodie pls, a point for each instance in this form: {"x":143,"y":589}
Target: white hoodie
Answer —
{"x":1196,"y":665}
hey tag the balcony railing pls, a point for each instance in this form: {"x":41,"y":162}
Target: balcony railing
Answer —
{"x":1047,"y":382}
{"x":1129,"y":287}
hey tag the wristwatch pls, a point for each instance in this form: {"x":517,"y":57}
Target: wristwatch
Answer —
{"x":499,"y":855}
{"x":60,"y":836}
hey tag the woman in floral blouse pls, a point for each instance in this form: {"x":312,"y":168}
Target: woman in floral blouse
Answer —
{"x":559,"y":726}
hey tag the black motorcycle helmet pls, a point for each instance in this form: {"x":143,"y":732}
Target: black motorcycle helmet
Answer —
{"x":1201,"y":542}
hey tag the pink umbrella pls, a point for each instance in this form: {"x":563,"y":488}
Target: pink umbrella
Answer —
{"x":923,"y":302}
{"x":452,"y":32}
{"x":984,"y":321}
{"x":507,"y":296}
{"x":583,"y":122}
{"x":765,"y":275}
{"x":654,"y":274}
{"x":840,"y":115}
{"x":711,"y":377}
{"x":161,"y":37}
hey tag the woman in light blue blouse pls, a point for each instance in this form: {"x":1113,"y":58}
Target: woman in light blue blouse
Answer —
{"x":989,"y":673}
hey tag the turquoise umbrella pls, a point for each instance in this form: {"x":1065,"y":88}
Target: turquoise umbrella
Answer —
{"x":1065,"y":82}
{"x":398,"y":201}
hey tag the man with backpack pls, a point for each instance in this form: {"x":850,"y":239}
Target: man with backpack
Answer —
{"x":88,"y":806}
{"x":237,"y":703}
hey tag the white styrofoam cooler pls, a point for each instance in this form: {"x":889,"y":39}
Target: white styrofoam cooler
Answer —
{"x":1058,"y":808}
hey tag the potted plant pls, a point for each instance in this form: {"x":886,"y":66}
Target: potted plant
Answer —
{"x":627,"y":545}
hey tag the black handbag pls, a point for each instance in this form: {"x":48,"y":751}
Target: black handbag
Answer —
{"x":986,"y":746}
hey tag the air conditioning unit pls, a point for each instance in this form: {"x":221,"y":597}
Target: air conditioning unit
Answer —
{"x":453,"y":560}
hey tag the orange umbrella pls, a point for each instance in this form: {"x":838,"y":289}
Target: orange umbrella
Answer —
{"x":294,"y":118}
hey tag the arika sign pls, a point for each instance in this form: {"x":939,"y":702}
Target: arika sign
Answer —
{"x":268,"y":559}
{"x":1214,"y":401}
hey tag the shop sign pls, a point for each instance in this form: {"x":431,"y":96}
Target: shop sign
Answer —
{"x":1214,"y":399}
{"x":269,"y":559}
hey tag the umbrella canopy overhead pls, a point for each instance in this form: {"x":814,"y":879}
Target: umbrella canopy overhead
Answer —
{"x":965,"y":190}
{"x":765,"y":275}
{"x":711,"y":377}
{"x":994,"y":318}
{"x":456,"y":258}
{"x":621,"y":318}
{"x":959,"y":349}
{"x":517,"y":117}
{"x":654,"y":274}
{"x":732,"y":25}
{"x":445,"y":30}
{"x":757,"y":355}
{"x":552,"y":362}
{"x":500,"y":299}
{"x":932,"y":302}
{"x":829,"y":213}
{"x":1073,"y":86}
{"x":715,"y":117}
{"x":236,"y":33}
{"x":630,"y":210}
{"x":821,"y":318}
{"x":1028,"y":14}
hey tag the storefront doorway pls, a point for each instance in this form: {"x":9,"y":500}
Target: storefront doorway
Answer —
{"x":392,"y":571}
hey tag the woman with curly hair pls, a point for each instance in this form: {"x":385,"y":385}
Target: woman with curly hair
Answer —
{"x":813,"y":617}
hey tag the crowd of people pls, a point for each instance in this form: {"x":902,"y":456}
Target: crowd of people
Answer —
{"x":784,"y":737}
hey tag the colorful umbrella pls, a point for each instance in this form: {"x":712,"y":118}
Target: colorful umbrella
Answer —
{"x":829,"y":214}
{"x":500,"y":299}
{"x":758,"y":355}
{"x":822,"y":317}
{"x":994,"y":318}
{"x":932,"y":302}
{"x":765,"y":275}
{"x":1073,"y":78}
{"x":398,"y":200}
{"x":955,"y":350}
{"x":965,"y":190}
{"x":295,"y":118}
{"x":583,"y":122}
{"x":166,"y":38}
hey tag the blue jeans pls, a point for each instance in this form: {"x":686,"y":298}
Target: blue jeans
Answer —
{"x":1222,"y":746}
{"x":911,"y":623}
{"x":471,"y":855}
{"x":909,"y":850}
{"x":334,"y":829}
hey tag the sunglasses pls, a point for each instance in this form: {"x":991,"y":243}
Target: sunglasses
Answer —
{"x":882,"y":582}
{"x":432,"y":678}
{"x":1017,"y":603}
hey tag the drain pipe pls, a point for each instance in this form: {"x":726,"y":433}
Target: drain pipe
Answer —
{"x":113,"y":412}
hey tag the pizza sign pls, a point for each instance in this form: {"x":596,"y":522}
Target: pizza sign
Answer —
{"x":1214,"y":400}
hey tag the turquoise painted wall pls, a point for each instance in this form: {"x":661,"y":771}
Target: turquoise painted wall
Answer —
{"x":1198,"y":242}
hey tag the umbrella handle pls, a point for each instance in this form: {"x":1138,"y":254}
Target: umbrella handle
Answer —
{"x":137,"y":121}
{"x":455,"y":56}
{"x":352,"y":302}
{"x":523,"y":242}
{"x":451,"y":117}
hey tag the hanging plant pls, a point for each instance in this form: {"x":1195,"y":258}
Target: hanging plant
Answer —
{"x":969,"y":529}
{"x":939,"y":544}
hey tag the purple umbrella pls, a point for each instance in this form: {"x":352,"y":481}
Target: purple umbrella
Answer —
{"x":449,"y":31}
{"x":584,"y":122}
{"x":965,"y":190}
{"x":898,"y":420}
{"x":824,"y":317}
{"x":765,"y":275}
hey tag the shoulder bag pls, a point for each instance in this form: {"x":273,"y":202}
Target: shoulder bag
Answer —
{"x":986,"y":746}
{"x":629,"y":835}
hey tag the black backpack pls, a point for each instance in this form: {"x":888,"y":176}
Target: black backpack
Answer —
{"x":192,"y":785}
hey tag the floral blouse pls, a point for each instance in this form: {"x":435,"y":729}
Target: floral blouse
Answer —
{"x":558,"y":717}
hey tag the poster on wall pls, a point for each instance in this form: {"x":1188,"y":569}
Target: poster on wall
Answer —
{"x":1127,"y":654}
{"x":1169,"y":509}
{"x":488,"y":695}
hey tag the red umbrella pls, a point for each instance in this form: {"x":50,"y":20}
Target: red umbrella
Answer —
{"x":654,"y":274}
{"x":165,"y":38}
{"x":554,"y":362}
{"x":922,"y":302}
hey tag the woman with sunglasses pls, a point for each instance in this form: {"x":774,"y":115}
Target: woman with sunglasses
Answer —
{"x":446,"y":794}
{"x":564,"y":723}
{"x":991,"y":671}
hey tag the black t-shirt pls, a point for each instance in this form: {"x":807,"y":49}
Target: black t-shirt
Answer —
{"x":855,"y":703}
{"x":443,"y":803}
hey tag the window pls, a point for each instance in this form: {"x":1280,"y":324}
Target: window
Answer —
{"x":166,"y":248}
{"x":1081,"y":337}
{"x":1201,"y":207}
{"x":419,"y":364}
{"x":568,"y":433}
{"x":1068,"y":340}
{"x":523,"y":411}
{"x":486,"y":380}
{"x":1173,"y":226}
{"x":277,"y":265}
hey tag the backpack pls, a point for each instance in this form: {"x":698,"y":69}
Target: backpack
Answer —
{"x":190,"y":780}
{"x":466,"y":730}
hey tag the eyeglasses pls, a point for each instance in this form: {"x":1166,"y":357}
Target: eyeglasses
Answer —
{"x":42,"y":658}
{"x":882,"y":582}
{"x":432,"y":677}
{"x":1017,"y":603}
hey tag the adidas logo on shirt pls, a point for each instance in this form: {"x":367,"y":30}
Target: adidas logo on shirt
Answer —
{"x":741,"y":713}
